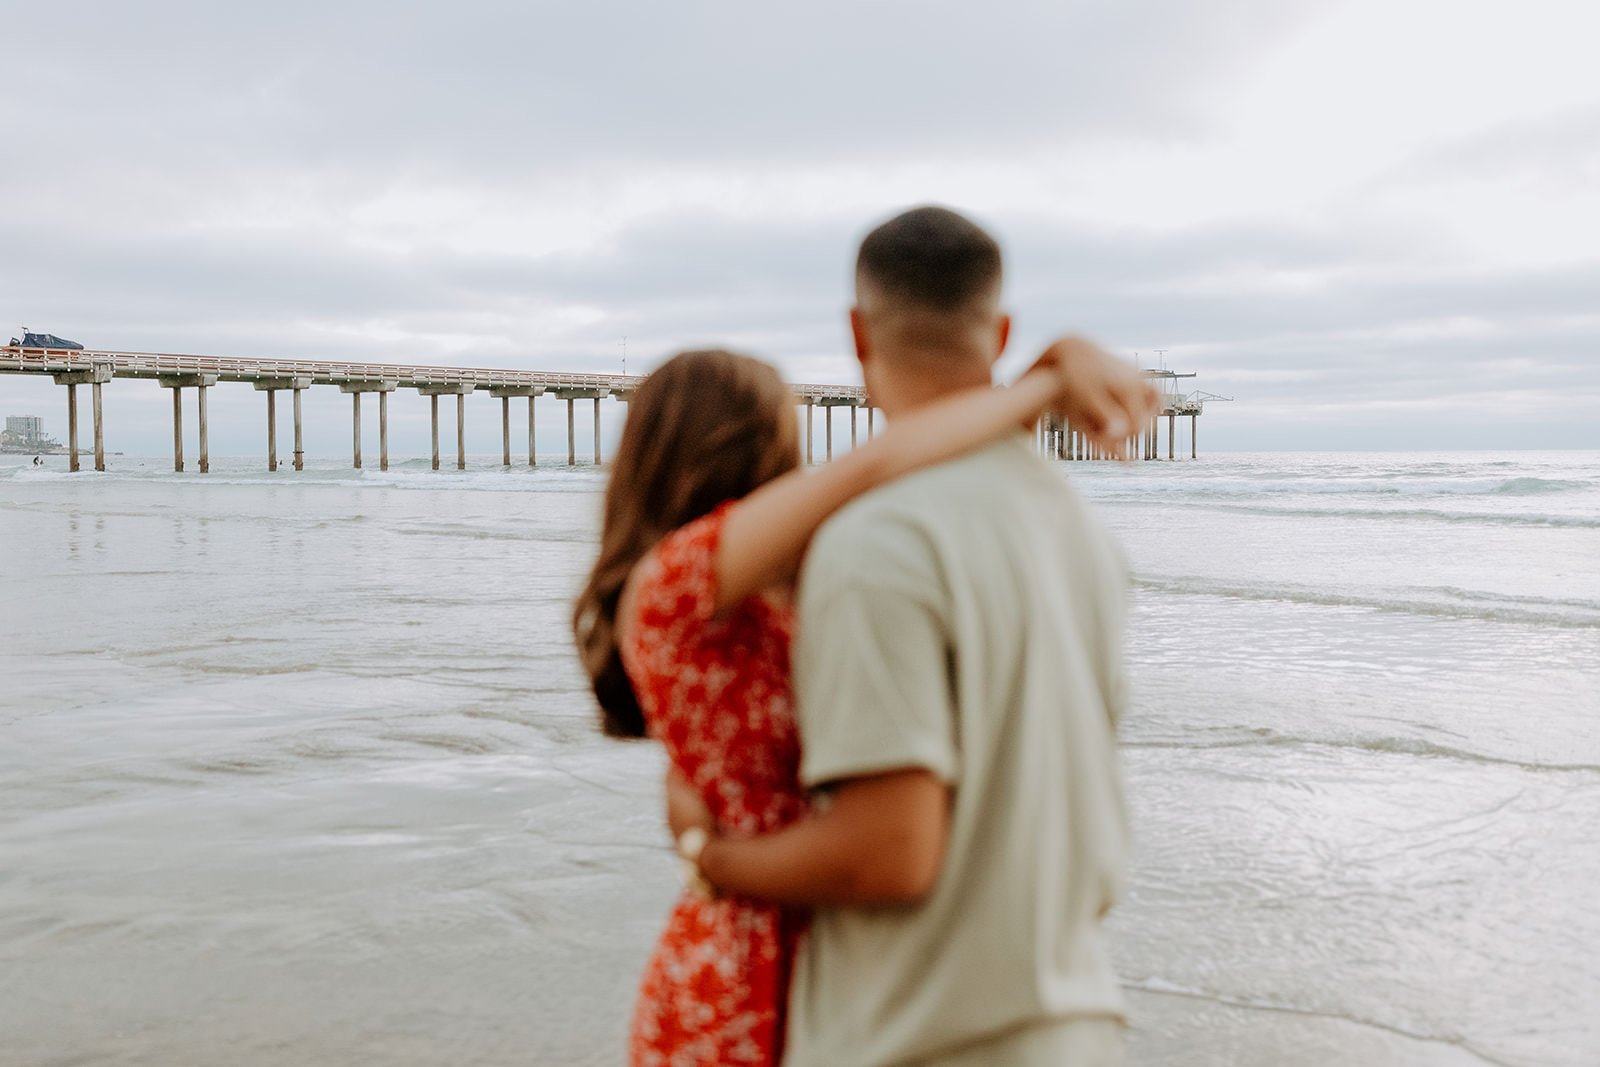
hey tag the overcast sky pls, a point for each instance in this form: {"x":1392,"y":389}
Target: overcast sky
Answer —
{"x":1374,"y":224}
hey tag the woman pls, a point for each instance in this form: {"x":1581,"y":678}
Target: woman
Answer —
{"x":685,"y":625}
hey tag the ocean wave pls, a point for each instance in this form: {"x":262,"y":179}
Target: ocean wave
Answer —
{"x":1397,"y":746}
{"x":1417,"y":482}
{"x":1481,"y":518}
{"x":1536,"y":486}
{"x":44,"y":474}
{"x":1441,"y":602}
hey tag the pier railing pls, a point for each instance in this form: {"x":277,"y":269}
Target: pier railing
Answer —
{"x":339,"y":372}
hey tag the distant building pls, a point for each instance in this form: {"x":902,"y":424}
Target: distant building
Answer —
{"x":25,"y":427}
{"x":45,"y":340}
{"x":25,"y":433}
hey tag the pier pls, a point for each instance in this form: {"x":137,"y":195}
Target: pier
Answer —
{"x":199,"y":374}
{"x":1055,"y":438}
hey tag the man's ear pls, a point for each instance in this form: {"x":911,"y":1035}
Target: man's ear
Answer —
{"x":1002,"y":337}
{"x":858,"y":331}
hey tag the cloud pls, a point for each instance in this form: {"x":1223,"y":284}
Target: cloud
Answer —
{"x":512,"y":86}
{"x":1564,"y":146}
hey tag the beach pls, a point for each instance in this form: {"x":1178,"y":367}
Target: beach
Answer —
{"x":300,"y":768}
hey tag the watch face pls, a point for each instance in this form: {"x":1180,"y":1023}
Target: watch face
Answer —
{"x":691,"y":842}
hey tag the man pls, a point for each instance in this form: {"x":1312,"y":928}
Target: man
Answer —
{"x":958,"y":679}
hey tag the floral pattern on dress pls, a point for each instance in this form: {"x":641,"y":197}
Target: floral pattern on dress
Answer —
{"x":716,"y":693}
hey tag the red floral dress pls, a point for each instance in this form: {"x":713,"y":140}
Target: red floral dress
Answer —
{"x":716,"y":693}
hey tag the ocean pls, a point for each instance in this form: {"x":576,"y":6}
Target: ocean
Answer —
{"x":300,"y":768}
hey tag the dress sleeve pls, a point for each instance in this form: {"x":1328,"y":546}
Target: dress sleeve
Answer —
{"x":677,"y":599}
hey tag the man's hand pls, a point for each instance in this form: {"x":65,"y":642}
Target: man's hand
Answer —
{"x":685,"y":808}
{"x":1104,"y":397}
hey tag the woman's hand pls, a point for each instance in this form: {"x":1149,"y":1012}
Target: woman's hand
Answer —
{"x":1104,"y":397}
{"x":685,"y":808}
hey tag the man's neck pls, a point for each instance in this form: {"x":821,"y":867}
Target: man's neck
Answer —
{"x":904,"y":393}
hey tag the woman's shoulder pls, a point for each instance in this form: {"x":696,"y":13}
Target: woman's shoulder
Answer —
{"x":675,"y":583}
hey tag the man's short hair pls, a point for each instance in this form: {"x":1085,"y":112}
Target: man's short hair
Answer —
{"x":932,"y":258}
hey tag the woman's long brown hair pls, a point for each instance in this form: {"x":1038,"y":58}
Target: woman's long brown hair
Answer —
{"x":704,"y":428}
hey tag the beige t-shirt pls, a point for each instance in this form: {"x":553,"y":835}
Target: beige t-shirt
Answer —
{"x":967,"y":619}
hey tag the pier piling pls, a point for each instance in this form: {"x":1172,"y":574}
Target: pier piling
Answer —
{"x":828,"y":403}
{"x":383,"y":389}
{"x":459,"y":390}
{"x":72,"y":427}
{"x":205,"y":430}
{"x":571,"y":396}
{"x":93,"y":376}
{"x":271,"y":387}
{"x":99,"y":429}
{"x":177,"y":383}
{"x":299,"y":438}
{"x":272,"y":429}
{"x":810,"y":411}
{"x":505,"y":393}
